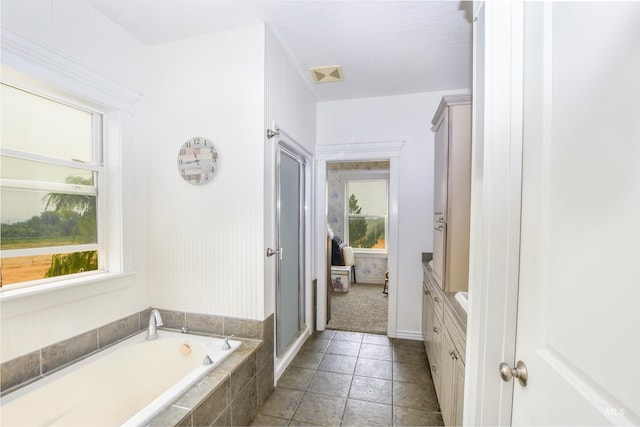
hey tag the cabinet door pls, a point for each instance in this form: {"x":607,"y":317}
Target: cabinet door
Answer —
{"x":440,"y":198}
{"x":458,"y":391}
{"x":428,"y":325}
{"x":436,"y":360}
{"x":447,"y":365}
{"x":426,"y":312}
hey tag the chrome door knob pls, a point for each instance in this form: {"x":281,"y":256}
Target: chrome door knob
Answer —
{"x":507,"y":373}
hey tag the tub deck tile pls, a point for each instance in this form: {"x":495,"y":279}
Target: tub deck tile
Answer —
{"x":174,"y":415}
{"x":60,"y":354}
{"x":20,"y":370}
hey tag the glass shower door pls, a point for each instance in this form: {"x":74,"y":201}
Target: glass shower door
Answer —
{"x":290,"y":266}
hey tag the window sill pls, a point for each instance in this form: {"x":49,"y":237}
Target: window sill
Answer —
{"x":32,"y":298}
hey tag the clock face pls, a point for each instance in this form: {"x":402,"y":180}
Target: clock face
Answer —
{"x":197,"y":161}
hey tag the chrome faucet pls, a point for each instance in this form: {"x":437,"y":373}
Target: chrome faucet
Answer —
{"x":155,"y":320}
{"x":226,"y":345}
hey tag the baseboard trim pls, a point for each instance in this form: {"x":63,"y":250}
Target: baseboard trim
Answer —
{"x":409,"y":335}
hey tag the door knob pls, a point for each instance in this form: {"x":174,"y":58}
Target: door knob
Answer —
{"x":507,"y":373}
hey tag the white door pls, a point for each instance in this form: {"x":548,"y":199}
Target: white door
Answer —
{"x":578,"y":328}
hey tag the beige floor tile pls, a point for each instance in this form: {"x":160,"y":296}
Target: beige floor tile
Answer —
{"x":338,"y":363}
{"x":331,"y":383}
{"x":371,"y":390}
{"x":296,"y":378}
{"x":378,"y":352}
{"x":374,"y":368}
{"x":359,"y":413}
{"x":415,"y":396}
{"x":317,"y":409}
{"x":415,"y":417}
{"x":282,"y":403}
{"x":308,"y":360}
{"x":410,"y":373}
{"x":345,"y":348}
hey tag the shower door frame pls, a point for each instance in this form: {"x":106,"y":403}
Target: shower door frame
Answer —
{"x":283,"y":142}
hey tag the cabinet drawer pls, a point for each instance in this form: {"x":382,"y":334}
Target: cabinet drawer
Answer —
{"x":435,"y":293}
{"x":459,"y":341}
{"x":438,"y":304}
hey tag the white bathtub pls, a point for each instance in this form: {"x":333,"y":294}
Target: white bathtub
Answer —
{"x":127,"y":384}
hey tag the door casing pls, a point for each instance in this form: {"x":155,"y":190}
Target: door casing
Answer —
{"x":356,"y":152}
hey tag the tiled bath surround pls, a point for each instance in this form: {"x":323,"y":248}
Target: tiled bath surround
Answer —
{"x":229,"y":395}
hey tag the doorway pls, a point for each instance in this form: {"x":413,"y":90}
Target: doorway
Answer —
{"x":356,"y":152}
{"x":357,"y":217}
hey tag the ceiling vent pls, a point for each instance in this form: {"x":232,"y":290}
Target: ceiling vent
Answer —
{"x":327,"y":74}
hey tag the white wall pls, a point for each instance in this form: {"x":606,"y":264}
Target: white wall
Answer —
{"x":291,"y":106}
{"x":76,"y":31}
{"x":408,"y":118}
{"x":206,"y":242}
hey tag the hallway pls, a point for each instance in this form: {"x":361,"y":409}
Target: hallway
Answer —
{"x":351,"y":378}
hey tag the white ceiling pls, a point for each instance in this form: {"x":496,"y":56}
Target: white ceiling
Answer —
{"x":385,"y":47}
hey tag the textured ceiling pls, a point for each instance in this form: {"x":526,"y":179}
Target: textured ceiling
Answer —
{"x":384,"y":47}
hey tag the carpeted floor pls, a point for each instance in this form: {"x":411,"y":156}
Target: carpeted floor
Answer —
{"x":362,"y":309}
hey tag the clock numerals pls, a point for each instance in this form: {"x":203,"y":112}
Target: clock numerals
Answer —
{"x":197,"y":161}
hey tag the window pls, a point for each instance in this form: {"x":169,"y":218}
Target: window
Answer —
{"x":51,"y":173}
{"x":366,"y":214}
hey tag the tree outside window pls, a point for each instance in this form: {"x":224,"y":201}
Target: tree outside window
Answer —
{"x":367,"y":214}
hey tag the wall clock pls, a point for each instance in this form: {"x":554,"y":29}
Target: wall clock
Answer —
{"x":197,"y":161}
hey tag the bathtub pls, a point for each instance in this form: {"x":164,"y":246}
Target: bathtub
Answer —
{"x":127,"y":384}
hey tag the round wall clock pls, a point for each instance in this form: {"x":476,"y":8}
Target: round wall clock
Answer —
{"x":197,"y":161}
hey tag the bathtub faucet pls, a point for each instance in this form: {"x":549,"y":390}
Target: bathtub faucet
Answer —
{"x":154,"y":321}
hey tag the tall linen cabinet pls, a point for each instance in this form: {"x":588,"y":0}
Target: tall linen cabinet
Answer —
{"x":443,"y":319}
{"x":452,"y":128}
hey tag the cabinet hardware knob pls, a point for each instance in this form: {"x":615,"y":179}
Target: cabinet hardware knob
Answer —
{"x":436,"y":299}
{"x":435,"y":329}
{"x":507,"y":373}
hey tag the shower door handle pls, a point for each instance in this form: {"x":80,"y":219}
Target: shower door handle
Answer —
{"x":272,"y":252}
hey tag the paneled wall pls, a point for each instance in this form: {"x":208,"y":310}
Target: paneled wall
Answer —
{"x":290,"y":105}
{"x":206,"y":241}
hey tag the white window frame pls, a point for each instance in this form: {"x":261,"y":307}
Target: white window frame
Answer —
{"x":96,"y":166}
{"x":98,"y":189}
{"x":368,"y":176}
{"x":38,"y":69}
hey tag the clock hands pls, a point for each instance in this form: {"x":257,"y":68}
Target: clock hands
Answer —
{"x":193,"y":161}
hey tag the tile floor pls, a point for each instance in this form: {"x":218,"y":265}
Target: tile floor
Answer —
{"x":354,"y":379}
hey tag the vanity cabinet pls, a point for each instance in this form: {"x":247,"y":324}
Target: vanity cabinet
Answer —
{"x":451,"y":125}
{"x":452,"y":379}
{"x":444,"y":331}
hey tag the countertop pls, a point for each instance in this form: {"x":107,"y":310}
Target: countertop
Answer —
{"x":449,"y":297}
